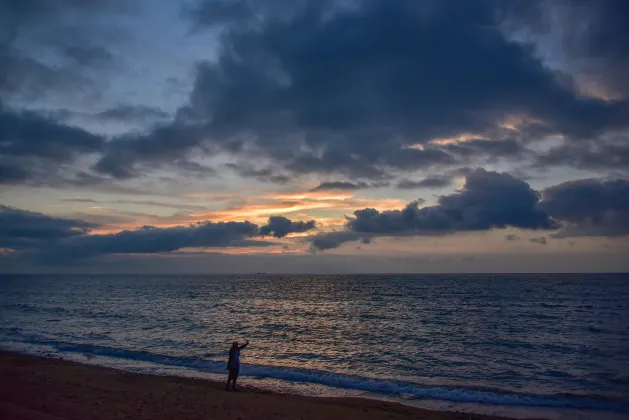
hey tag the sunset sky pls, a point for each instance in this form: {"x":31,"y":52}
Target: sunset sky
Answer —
{"x":315,"y":136}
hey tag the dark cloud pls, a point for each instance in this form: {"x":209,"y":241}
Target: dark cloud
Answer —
{"x":592,"y":36}
{"x":21,"y":229}
{"x":247,"y":14}
{"x":605,"y":45}
{"x":56,"y":240}
{"x":67,"y":30}
{"x":166,"y":143}
{"x":12,"y":174}
{"x":279,"y":226}
{"x":35,"y":148}
{"x":613,"y":154}
{"x":490,"y":148}
{"x":332,"y":240}
{"x":264,"y":174}
{"x":326,"y":88}
{"x":589,"y":207}
{"x":59,"y":47}
{"x":89,"y":55}
{"x":489,"y":200}
{"x":340,"y":185}
{"x":541,"y":240}
{"x":132,"y":113}
{"x":24,"y":133}
{"x":149,"y":240}
{"x":218,"y":12}
{"x":431,"y":182}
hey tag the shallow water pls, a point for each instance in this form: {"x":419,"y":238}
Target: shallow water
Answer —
{"x":518,"y":340}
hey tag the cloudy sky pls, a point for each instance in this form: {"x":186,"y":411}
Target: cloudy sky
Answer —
{"x":314,"y":136}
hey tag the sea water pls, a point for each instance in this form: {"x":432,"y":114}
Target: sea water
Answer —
{"x":552,"y":342}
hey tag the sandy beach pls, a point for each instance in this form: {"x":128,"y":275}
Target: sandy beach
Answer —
{"x":50,"y":389}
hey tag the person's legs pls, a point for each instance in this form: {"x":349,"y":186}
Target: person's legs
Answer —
{"x":230,"y":378}
{"x":236,"y":372}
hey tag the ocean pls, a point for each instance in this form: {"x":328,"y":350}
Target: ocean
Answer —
{"x":544,"y":341}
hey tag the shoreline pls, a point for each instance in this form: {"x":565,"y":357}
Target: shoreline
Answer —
{"x":36,"y":387}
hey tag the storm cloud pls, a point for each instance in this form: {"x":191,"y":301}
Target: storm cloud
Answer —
{"x":28,"y":134}
{"x":34,"y":148}
{"x":492,"y":200}
{"x":130,"y":113}
{"x":279,"y":226}
{"x":430,"y":182}
{"x":49,"y":239}
{"x":331,"y":240}
{"x":320,"y":88}
{"x":489,"y":200}
{"x":21,"y":229}
{"x":50,"y":50}
{"x":589,"y":207}
{"x":592,"y":36}
{"x":71,"y":32}
{"x":150,"y":240}
{"x":340,"y":185}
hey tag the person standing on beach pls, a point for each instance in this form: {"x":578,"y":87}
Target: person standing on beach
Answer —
{"x":233,"y":364}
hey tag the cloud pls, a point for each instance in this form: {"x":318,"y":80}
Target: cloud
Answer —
{"x":592,"y":37}
{"x":34,"y":148}
{"x":24,"y":133}
{"x":492,"y":200}
{"x":613,"y":153}
{"x":132,"y":113}
{"x":21,"y":229}
{"x":166,"y":143}
{"x":10,"y":173}
{"x":218,"y":12}
{"x":136,"y":202}
{"x":332,"y":240}
{"x":305,"y":88}
{"x":539,"y":240}
{"x":431,"y":182}
{"x":55,"y":240}
{"x":265,"y":174}
{"x":279,"y":226}
{"x":340,"y":185}
{"x":55,"y":46}
{"x":300,"y":88}
{"x":253,"y":208}
{"x":149,"y":240}
{"x":54,"y":53}
{"x":488,"y":200}
{"x":589,"y":207}
{"x":89,"y":55}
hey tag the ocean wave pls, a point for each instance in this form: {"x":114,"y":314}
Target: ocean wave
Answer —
{"x":61,"y":310}
{"x":405,"y":390}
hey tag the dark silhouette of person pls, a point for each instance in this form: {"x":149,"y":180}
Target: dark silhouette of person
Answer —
{"x":233,"y":364}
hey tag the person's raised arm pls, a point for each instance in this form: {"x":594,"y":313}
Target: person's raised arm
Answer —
{"x":244,"y":345}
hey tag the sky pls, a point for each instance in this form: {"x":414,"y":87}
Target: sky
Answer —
{"x":314,"y":136}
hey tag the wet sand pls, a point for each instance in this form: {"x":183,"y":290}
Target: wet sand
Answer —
{"x":51,"y":389}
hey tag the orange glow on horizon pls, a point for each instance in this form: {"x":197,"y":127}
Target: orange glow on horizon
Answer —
{"x":298,"y":205}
